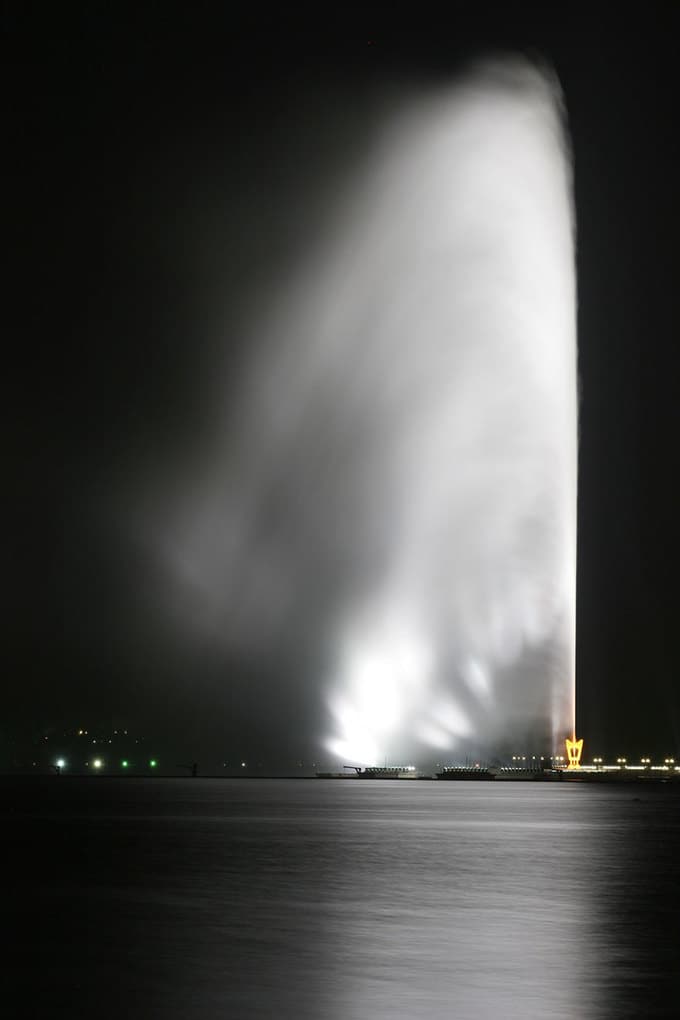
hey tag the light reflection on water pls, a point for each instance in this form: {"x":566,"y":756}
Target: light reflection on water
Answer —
{"x":199,"y":898}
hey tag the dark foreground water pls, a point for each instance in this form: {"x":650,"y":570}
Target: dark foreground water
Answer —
{"x":198,"y":898}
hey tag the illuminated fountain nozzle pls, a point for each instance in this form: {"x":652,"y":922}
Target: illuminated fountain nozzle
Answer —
{"x":574,"y":749}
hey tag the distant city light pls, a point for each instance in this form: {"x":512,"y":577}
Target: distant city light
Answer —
{"x":97,"y":763}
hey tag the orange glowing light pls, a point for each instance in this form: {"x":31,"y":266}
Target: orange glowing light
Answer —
{"x":574,"y":750}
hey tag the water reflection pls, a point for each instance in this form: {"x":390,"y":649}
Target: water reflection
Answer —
{"x":348,"y":901}
{"x":478,"y":905}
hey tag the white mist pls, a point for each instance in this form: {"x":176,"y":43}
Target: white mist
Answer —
{"x":410,"y":399}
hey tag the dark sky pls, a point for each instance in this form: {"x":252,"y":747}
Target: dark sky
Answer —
{"x":139,"y":152}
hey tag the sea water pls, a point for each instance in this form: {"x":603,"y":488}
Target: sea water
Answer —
{"x":200,"y":898}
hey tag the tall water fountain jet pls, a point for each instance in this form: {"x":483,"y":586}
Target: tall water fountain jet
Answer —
{"x":411,"y":401}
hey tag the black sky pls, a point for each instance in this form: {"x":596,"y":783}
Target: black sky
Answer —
{"x":128,"y":138}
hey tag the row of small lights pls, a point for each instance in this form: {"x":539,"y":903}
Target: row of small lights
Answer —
{"x":560,"y":757}
{"x":524,"y":757}
{"x":60,"y":763}
{"x":596,"y":761}
{"x":643,"y":761}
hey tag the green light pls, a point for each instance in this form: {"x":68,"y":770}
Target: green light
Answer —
{"x":124,"y":763}
{"x":153,"y":763}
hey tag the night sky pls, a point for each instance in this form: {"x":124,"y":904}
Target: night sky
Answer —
{"x":161,"y":172}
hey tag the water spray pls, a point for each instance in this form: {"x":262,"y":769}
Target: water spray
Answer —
{"x":396,"y":477}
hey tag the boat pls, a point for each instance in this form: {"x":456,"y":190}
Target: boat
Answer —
{"x":375,"y":772}
{"x":387,"y":772}
{"x":466,"y":772}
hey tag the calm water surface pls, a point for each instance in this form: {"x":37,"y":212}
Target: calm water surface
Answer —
{"x":197,"y":898}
